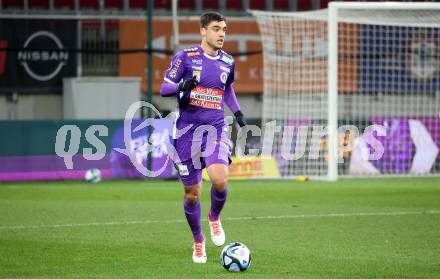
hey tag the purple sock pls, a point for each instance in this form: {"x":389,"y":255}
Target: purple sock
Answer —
{"x":218,"y":200}
{"x":192,"y":213}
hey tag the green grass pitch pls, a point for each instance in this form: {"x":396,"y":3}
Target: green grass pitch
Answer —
{"x":375,"y":228}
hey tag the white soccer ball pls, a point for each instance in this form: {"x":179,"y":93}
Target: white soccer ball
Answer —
{"x":93,"y":175}
{"x":235,"y":257}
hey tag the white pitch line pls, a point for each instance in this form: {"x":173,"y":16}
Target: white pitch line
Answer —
{"x":301,"y":216}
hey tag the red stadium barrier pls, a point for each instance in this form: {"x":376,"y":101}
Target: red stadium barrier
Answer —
{"x":187,"y":4}
{"x":323,"y":4}
{"x":257,"y":5}
{"x":114,"y":4}
{"x":64,"y":4}
{"x":234,"y":5}
{"x":158,"y":4}
{"x":44,"y":4}
{"x":281,"y":5}
{"x":278,"y":5}
{"x":304,"y":5}
{"x":3,"y":44}
{"x":210,"y":5}
{"x":137,"y":4}
{"x":162,"y":4}
{"x":89,"y":4}
{"x":12,"y":3}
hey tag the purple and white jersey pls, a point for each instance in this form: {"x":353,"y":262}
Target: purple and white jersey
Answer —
{"x":206,"y":101}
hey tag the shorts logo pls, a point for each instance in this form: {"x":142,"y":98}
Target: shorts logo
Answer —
{"x":183,"y":170}
{"x":223,"y":77}
{"x":173,"y":72}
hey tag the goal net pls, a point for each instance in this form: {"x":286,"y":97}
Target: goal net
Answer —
{"x":354,"y":90}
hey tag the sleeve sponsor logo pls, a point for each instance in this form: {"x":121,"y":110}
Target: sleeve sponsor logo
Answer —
{"x":173,"y":72}
{"x":227,"y":59}
{"x":205,"y":97}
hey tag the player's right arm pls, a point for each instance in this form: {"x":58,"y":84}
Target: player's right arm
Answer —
{"x":170,"y":84}
{"x":173,"y":83}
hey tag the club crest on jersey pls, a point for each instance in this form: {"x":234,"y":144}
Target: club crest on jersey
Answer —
{"x":227,"y":58}
{"x":223,"y":77}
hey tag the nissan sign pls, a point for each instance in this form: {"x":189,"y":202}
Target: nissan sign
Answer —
{"x":40,"y":59}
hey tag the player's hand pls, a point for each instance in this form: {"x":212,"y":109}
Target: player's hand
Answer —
{"x":188,"y":84}
{"x":240,"y":118}
{"x":185,"y":88}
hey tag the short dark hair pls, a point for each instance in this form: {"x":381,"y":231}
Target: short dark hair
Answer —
{"x":209,"y":17}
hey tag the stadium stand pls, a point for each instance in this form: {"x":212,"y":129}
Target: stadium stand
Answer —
{"x":188,"y":7}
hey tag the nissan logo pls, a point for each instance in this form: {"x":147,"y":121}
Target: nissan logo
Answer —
{"x":43,"y":64}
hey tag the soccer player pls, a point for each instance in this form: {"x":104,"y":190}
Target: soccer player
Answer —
{"x":201,"y":78}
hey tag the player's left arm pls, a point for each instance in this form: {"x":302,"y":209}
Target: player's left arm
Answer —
{"x":231,"y":100}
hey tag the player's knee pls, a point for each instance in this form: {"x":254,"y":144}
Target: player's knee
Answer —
{"x":220,"y":182}
{"x":191,"y":198}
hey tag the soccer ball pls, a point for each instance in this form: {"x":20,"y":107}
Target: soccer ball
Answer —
{"x":235,"y":257}
{"x":93,"y":175}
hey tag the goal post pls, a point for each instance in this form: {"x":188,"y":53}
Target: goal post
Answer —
{"x":364,"y":77}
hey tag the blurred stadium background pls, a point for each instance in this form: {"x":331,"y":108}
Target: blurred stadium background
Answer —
{"x":84,"y":62}
{"x":69,"y":70}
